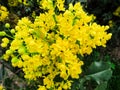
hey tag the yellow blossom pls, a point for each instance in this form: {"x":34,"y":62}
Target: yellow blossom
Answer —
{"x":5,"y":42}
{"x":42,"y":88}
{"x":3,"y":13}
{"x":1,"y":87}
{"x":12,"y":2}
{"x":60,"y":5}
{"x":117,"y":12}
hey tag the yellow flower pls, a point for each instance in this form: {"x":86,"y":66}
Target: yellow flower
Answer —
{"x":48,"y":82}
{"x":117,"y":12}
{"x":60,"y":5}
{"x":110,"y":23}
{"x":47,"y":4}
{"x":5,"y":42}
{"x":15,"y":44}
{"x":23,"y":1}
{"x":67,"y":85}
{"x":64,"y":75}
{"x":6,"y":57}
{"x":1,"y":87}
{"x":12,"y":2}
{"x":3,"y":13}
{"x":42,"y":88}
{"x":75,"y":69}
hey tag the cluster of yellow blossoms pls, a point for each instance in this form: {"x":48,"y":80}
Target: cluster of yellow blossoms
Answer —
{"x":3,"y":13}
{"x":50,"y":4}
{"x":47,"y":49}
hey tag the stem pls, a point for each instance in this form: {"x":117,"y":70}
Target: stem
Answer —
{"x":9,"y":36}
{"x":12,"y":69}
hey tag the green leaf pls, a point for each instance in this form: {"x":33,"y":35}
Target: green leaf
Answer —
{"x":99,"y":71}
{"x":111,"y":64}
{"x":101,"y":76}
{"x":82,"y":0}
{"x":98,"y":66}
{"x":102,"y":86}
{"x":81,"y":83}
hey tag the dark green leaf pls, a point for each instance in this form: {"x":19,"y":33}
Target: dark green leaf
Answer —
{"x":99,"y":71}
{"x":104,"y":75}
{"x":98,"y":66}
{"x":102,"y":86}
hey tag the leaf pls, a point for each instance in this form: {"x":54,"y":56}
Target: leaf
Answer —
{"x":82,"y":0}
{"x":99,"y":71}
{"x":97,"y":66}
{"x":112,"y":65}
{"x":101,"y":76}
{"x":102,"y":86}
{"x":81,"y":83}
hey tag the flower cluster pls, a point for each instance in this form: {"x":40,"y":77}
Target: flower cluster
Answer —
{"x":49,"y":4}
{"x":5,"y":41}
{"x":3,"y":13}
{"x":48,"y":48}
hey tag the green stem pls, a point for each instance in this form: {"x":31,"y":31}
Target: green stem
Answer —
{"x":9,"y":36}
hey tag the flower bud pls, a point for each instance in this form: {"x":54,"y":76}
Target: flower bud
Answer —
{"x":7,"y":25}
{"x":9,"y":52}
{"x":2,"y":33}
{"x":14,"y":60}
{"x":12,"y":31}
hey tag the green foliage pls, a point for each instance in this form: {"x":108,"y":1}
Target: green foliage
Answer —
{"x":98,"y":71}
{"x":114,"y":82}
{"x":104,"y":10}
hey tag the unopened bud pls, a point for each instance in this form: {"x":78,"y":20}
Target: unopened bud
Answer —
{"x":2,"y":33}
{"x":7,"y":25}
